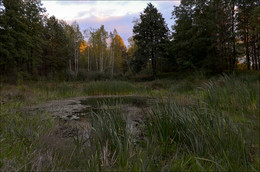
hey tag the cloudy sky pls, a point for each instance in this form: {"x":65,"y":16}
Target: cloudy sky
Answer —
{"x":112,"y":14}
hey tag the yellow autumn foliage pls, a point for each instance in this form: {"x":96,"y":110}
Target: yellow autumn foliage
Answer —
{"x":83,"y":46}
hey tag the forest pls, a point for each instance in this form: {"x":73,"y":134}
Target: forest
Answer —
{"x":212,"y":37}
{"x":183,"y":97}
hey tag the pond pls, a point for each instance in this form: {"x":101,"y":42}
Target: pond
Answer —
{"x":94,"y":104}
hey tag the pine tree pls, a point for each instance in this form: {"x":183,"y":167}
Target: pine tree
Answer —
{"x":14,"y":38}
{"x":248,"y":30}
{"x":150,"y":35}
{"x":56,"y":52}
{"x":34,"y":15}
{"x":182,"y":44}
{"x":205,"y":35}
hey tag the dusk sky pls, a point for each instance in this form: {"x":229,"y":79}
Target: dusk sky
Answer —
{"x":112,"y":14}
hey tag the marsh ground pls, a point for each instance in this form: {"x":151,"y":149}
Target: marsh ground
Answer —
{"x":194,"y":123}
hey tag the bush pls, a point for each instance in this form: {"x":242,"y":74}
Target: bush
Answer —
{"x":82,"y":75}
{"x":110,"y":88}
{"x":157,"y":84}
{"x":70,"y":75}
{"x":97,"y":76}
{"x":141,"y":78}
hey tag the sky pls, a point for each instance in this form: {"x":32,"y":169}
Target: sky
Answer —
{"x":112,"y":14}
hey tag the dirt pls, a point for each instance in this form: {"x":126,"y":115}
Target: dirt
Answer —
{"x":67,"y":107}
{"x":73,"y":117}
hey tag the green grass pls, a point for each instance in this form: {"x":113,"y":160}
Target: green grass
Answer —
{"x":19,"y":139}
{"x":32,"y":93}
{"x":235,"y":95}
{"x":208,"y":135}
{"x":112,"y":88}
{"x":195,"y":124}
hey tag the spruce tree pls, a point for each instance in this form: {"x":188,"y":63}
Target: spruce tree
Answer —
{"x":150,"y":34}
{"x":14,"y":37}
{"x":34,"y":15}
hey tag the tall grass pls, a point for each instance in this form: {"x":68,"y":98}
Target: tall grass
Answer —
{"x":208,"y":135}
{"x":174,"y":137}
{"x":216,"y":133}
{"x":112,"y":138}
{"x":19,"y":138}
{"x":234,"y":94}
{"x":112,"y":88}
{"x":32,"y":93}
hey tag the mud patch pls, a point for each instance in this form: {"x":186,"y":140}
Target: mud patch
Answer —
{"x":80,"y":110}
{"x":74,"y":119}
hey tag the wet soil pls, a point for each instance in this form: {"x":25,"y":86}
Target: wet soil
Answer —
{"x":74,"y":114}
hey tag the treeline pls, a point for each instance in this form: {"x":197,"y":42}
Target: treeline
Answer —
{"x":103,"y":53}
{"x":212,"y":36}
{"x":34,"y":45}
{"x":217,"y":34}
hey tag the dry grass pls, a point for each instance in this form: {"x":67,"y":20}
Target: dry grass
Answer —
{"x":193,"y":125}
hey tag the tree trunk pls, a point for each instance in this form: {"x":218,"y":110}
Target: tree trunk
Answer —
{"x":70,"y":64}
{"x":255,"y":57}
{"x":234,"y":38}
{"x":247,"y":50}
{"x":101,"y":61}
{"x":154,"y":65}
{"x":258,"y":54}
{"x":112,"y":60}
{"x":88,"y":59}
{"x":253,"y":60}
{"x":75,"y":60}
{"x":96,"y":63}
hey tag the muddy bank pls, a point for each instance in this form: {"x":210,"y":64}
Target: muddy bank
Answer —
{"x":75,"y":108}
{"x":74,"y":115}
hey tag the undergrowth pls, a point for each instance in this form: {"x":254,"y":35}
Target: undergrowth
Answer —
{"x":194,"y":124}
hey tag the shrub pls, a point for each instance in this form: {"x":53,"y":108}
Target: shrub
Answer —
{"x":110,"y":88}
{"x":97,"y":76}
{"x":70,"y":75}
{"x":82,"y":75}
